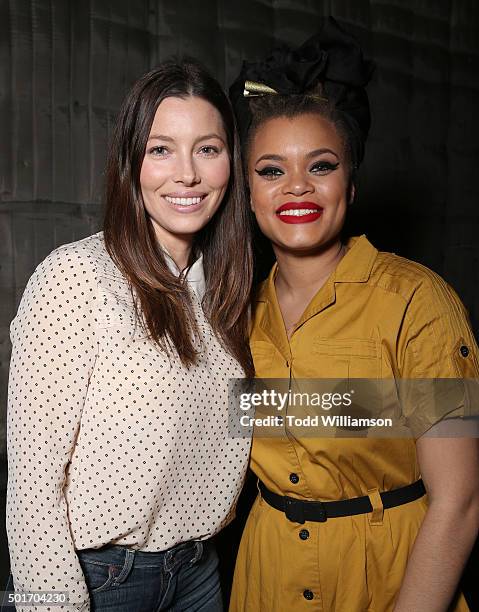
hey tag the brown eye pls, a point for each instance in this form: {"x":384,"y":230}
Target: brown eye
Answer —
{"x":158,"y":151}
{"x":270,"y":172}
{"x":323,"y":167}
{"x":209,"y":150}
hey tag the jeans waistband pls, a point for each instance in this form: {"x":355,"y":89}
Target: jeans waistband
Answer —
{"x":181,"y":553}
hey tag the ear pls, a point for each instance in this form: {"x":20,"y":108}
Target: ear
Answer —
{"x":251,"y":204}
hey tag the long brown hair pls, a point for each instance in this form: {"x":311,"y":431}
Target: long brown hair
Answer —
{"x":162,"y":300}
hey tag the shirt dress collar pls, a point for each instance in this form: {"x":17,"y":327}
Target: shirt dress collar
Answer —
{"x":354,"y":267}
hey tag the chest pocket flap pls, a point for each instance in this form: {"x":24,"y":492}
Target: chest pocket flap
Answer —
{"x":347,"y":357}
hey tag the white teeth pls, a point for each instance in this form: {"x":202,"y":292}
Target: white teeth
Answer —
{"x":183,"y":201}
{"x":296,"y":212}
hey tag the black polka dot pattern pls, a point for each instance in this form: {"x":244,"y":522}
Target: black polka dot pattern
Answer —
{"x":109,"y":439}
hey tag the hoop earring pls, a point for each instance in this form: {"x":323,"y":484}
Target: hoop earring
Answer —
{"x":351,"y":193}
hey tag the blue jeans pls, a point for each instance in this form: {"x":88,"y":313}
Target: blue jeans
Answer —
{"x":183,"y":578}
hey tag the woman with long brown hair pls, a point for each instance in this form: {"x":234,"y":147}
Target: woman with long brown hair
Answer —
{"x":120,"y":466}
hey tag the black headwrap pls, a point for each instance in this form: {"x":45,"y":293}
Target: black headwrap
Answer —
{"x":332,"y":57}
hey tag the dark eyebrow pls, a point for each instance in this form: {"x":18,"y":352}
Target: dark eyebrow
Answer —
{"x":311,"y":154}
{"x":272,"y":157}
{"x":199,"y":139}
{"x":320,"y":151}
{"x":160,"y":137}
{"x":208,"y":136}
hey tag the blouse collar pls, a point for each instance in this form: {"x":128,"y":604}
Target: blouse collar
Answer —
{"x":195,"y":276}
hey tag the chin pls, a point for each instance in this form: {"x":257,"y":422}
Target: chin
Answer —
{"x":301,"y":241}
{"x":190,"y":227}
{"x":296,"y":245}
{"x":301,"y":245}
{"x":305,"y":249}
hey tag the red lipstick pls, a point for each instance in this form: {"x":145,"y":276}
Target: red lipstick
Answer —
{"x":314,"y":212}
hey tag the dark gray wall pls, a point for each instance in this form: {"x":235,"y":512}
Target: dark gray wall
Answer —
{"x":66,"y":66}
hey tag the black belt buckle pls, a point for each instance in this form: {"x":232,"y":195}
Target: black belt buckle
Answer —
{"x":293,"y":508}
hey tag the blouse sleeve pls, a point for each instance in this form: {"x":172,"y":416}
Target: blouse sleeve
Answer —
{"x":437,"y":358}
{"x":53,"y":352}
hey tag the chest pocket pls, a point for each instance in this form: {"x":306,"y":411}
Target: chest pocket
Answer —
{"x":346,"y":358}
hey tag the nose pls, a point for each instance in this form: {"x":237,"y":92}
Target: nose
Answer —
{"x":186,"y":171}
{"x":299,"y":184}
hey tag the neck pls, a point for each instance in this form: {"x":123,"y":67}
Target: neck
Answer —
{"x":178,"y":247}
{"x":307,"y":271}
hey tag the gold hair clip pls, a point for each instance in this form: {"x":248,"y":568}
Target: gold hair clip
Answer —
{"x":318,"y":97}
{"x":253,"y":88}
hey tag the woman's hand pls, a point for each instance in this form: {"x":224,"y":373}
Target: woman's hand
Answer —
{"x":450,"y":471}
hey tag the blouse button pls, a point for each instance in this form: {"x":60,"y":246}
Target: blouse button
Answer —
{"x":294,"y":478}
{"x":307,"y":594}
{"x":464,"y":350}
{"x":304,"y":534}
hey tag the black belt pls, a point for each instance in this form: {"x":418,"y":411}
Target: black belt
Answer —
{"x":299,"y":511}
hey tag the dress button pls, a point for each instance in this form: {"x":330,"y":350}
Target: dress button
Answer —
{"x":464,"y":350}
{"x":294,"y":478}
{"x":307,"y":594}
{"x":304,"y":534}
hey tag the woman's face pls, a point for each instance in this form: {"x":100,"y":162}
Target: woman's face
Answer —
{"x":298,"y":180}
{"x":186,"y":168}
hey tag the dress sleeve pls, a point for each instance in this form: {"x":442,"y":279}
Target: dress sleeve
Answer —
{"x":437,"y":358}
{"x":54,"y":348}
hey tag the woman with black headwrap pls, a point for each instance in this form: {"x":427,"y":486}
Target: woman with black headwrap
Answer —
{"x":344,"y":524}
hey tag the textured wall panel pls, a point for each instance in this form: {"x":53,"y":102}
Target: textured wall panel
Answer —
{"x":70,"y":64}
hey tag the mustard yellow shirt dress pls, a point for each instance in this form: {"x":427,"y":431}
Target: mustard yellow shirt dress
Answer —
{"x":377,"y":316}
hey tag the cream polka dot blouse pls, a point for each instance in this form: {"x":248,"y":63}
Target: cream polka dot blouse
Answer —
{"x":109,"y":439}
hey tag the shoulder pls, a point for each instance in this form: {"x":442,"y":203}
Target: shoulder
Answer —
{"x":73,"y":270}
{"x":89,"y":275}
{"x":86,"y":258}
{"x":65,"y":282}
{"x":413,"y":282}
{"x":88,"y":252}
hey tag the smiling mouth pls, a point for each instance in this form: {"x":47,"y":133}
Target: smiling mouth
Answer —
{"x":184,"y":201}
{"x":298,"y":212}
{"x":299,"y":208}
